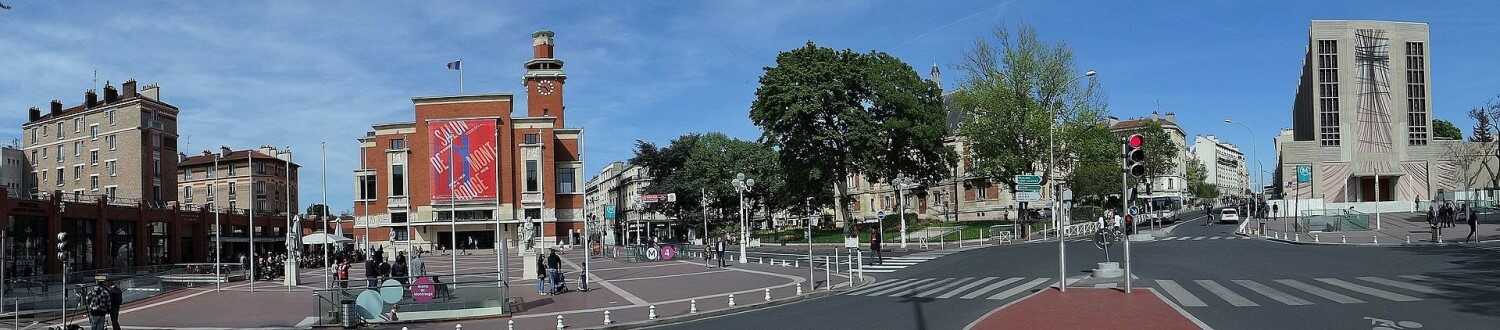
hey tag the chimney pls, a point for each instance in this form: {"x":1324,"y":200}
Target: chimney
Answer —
{"x":33,"y":114}
{"x":1172,"y":117}
{"x":541,"y":44}
{"x":206,"y":153}
{"x":110,"y":93}
{"x":181,"y":157}
{"x":224,"y":151}
{"x":1155,"y":116}
{"x":127,"y":89}
{"x":56,"y":107}
{"x":90,"y":99}
{"x":151,"y":91}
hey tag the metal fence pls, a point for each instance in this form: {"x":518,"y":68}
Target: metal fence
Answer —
{"x":41,"y":299}
{"x":439,"y":296}
{"x":1332,"y":220}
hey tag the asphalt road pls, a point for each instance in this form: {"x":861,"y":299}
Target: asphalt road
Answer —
{"x":1227,"y":281}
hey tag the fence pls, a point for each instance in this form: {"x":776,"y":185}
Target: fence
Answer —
{"x":1332,"y":220}
{"x":41,"y":298}
{"x":362,"y":301}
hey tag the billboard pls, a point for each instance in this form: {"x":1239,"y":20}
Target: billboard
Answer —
{"x":466,"y":149}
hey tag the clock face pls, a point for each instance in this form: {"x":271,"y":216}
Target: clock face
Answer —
{"x":546,"y":87}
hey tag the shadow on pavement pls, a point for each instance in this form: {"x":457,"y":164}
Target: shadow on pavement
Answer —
{"x":1475,"y":287}
{"x":919,"y":319}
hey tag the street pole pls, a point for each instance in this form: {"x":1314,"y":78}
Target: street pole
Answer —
{"x":1377,"y":198}
{"x":1125,"y":208}
{"x":293,"y":230}
{"x":452,"y":215}
{"x":900,"y":190}
{"x":810,"y":267}
{"x":323,"y":211}
{"x":218,"y":230}
{"x":744,"y":234}
{"x":250,"y":162}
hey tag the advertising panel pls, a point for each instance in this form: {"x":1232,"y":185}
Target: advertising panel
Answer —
{"x":466,"y":150}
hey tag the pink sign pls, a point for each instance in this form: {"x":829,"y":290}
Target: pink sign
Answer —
{"x":422,"y":290}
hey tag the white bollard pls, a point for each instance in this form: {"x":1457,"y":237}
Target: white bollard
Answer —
{"x":799,"y":289}
{"x":1375,"y":239}
{"x":652,"y":315}
{"x":607,"y":321}
{"x":1343,"y":238}
{"x":693,"y":306}
{"x":1408,"y":238}
{"x":1297,"y":237}
{"x":560,"y":324}
{"x":458,"y":326}
{"x":768,"y":294}
{"x":731,"y":300}
{"x":510,"y":324}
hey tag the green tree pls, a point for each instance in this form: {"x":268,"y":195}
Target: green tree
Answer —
{"x":1014,"y":96}
{"x":694,"y":164}
{"x":1096,"y":171}
{"x":318,"y":210}
{"x":832,"y":113}
{"x":1445,"y":129}
{"x":1197,"y":180}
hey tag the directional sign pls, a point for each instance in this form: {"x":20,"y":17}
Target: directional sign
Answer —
{"x":609,"y":212}
{"x":1028,"y":187}
{"x":1304,"y":173}
{"x":1029,"y":179}
{"x":1028,"y":196}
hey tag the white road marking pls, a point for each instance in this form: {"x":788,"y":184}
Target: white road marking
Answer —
{"x":898,"y":287}
{"x":1317,"y":291}
{"x":878,"y":286}
{"x":971,"y":285}
{"x":1277,"y":295}
{"x":914,"y":289}
{"x":1224,"y":293}
{"x":1368,"y":290}
{"x":1180,"y":294}
{"x":945,"y":287}
{"x":1403,"y":285}
{"x":1018,"y":289}
{"x":990,"y":287}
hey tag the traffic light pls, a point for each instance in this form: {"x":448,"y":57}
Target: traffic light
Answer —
{"x":1135,"y":155}
{"x":62,"y":246}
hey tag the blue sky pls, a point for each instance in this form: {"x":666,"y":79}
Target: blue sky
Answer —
{"x":297,"y":73}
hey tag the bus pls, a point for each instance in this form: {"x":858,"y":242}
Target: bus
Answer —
{"x":1162,"y":209}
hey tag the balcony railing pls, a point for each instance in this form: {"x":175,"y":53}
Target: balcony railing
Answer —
{"x":397,"y":201}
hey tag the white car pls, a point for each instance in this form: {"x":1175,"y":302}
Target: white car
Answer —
{"x":1229,"y":215}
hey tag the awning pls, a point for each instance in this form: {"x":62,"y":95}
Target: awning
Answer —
{"x":323,"y":238}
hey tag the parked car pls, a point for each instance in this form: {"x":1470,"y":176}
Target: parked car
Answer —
{"x":1229,"y":215}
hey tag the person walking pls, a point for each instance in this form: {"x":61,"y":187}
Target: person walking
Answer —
{"x":541,"y":275}
{"x":1473,"y":220}
{"x":399,"y":269}
{"x":719,"y":248}
{"x":342,"y":272}
{"x":116,"y":298}
{"x":875,"y":246}
{"x":372,"y":273}
{"x":554,"y":270}
{"x":96,"y":298}
{"x":385,"y":270}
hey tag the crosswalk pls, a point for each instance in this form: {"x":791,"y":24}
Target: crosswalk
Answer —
{"x":1201,"y":238}
{"x":892,"y":264}
{"x":1239,"y":293}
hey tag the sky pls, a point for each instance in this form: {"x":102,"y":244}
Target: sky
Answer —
{"x":295,"y":73}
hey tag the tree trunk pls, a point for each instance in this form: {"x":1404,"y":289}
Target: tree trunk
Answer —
{"x":840,"y":212}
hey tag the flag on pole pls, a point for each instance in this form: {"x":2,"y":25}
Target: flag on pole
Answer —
{"x":455,"y":65}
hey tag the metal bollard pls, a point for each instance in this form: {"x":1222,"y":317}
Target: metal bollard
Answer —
{"x":1375,"y":239}
{"x":731,"y":300}
{"x":652,"y":315}
{"x":607,"y":321}
{"x":768,"y":294}
{"x":693,"y":306}
{"x":510,"y":324}
{"x":1315,"y":239}
{"x":560,"y":324}
{"x":458,"y":326}
{"x":1297,"y":237}
{"x":1408,"y":238}
{"x":799,"y":289}
{"x":1343,"y":238}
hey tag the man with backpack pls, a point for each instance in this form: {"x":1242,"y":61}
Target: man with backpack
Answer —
{"x":97,"y":299}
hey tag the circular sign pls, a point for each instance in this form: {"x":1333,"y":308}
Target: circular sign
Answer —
{"x":422,"y":290}
{"x":391,"y":291}
{"x":668,"y":252}
{"x":651,"y":254}
{"x":369,"y":304}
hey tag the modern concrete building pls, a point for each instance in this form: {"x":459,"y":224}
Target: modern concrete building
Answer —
{"x":15,"y":172}
{"x":123,"y":147}
{"x":271,"y":178}
{"x":1172,"y":185}
{"x":1225,"y":166}
{"x":1362,"y":115}
{"x":620,"y":186}
{"x":465,"y":165}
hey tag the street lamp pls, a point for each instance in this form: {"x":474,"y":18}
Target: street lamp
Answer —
{"x":1255,"y":205}
{"x":741,"y":185}
{"x":901,"y":183}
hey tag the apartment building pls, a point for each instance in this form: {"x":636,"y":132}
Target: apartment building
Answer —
{"x":122,"y":147}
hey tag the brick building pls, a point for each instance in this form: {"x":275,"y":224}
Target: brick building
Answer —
{"x":271,"y":179}
{"x":123,"y":146}
{"x":465,"y":157}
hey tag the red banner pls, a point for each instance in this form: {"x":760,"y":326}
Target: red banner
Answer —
{"x":463,"y":159}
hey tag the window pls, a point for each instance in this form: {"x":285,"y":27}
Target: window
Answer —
{"x":531,"y":138}
{"x":1416,"y":93}
{"x":259,"y":188}
{"x":77,"y":172}
{"x":110,"y":166}
{"x":398,"y":217}
{"x":398,"y":180}
{"x":94,"y":157}
{"x":44,"y":175}
{"x":982,"y":190}
{"x":77,"y":148}
{"x":77,"y":124}
{"x":60,"y":177}
{"x":94,"y":131}
{"x":233,"y":189}
{"x":109,"y":191}
{"x":565,"y":180}
{"x":1328,"y":93}
{"x":231,"y":170}
{"x":59,"y":131}
{"x":155,"y":193}
{"x":210,"y":173}
{"x":531,"y":179}
{"x":367,"y":186}
{"x":110,"y":115}
{"x":59,"y":154}
{"x":110,"y":140}
{"x":210,"y":193}
{"x":187,"y":194}
{"x":33,"y":135}
{"x":94,"y":182}
{"x":398,"y":144}
{"x":398,"y":233}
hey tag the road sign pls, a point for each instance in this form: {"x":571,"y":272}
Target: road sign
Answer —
{"x":1304,"y":173}
{"x":609,"y":212}
{"x":1028,"y":196}
{"x":1028,"y":179}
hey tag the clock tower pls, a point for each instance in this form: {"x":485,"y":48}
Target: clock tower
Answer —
{"x":544,"y":80}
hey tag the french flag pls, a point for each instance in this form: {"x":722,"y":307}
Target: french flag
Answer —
{"x":455,"y":65}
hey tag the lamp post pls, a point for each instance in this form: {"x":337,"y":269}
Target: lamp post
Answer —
{"x":901,"y":183}
{"x":741,"y":185}
{"x":1255,"y":206}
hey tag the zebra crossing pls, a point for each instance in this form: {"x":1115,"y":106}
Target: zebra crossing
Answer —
{"x":1192,"y":293}
{"x":1201,"y":238}
{"x":952,"y":288}
{"x":892,"y":264}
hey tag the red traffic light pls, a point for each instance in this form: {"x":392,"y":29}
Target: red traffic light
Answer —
{"x":1136,"y":141}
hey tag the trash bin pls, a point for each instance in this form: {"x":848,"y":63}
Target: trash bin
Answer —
{"x":346,"y":313}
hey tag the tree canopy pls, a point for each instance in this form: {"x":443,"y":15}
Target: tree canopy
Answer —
{"x":832,"y":113}
{"x":694,"y":164}
{"x":1445,"y":129}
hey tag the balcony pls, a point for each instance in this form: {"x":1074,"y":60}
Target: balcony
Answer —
{"x":397,"y":202}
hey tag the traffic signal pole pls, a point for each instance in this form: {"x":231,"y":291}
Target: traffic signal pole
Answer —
{"x":1125,"y":204}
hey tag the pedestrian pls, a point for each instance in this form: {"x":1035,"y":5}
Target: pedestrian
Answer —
{"x":372,"y":273}
{"x":541,"y":275}
{"x":342,"y":273}
{"x":116,"y":298}
{"x":1473,"y":219}
{"x":554,"y":268}
{"x":418,"y":267}
{"x":96,"y":298}
{"x":399,"y":269}
{"x":875,"y":246}
{"x":385,"y":270}
{"x":719,"y":251}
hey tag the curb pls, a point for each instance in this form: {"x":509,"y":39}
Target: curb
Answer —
{"x":1401,"y":244}
{"x":685,"y":318}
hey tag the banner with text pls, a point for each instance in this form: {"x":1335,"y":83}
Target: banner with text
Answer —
{"x":466,"y":149}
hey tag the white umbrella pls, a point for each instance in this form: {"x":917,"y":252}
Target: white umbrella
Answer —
{"x":323,"y":238}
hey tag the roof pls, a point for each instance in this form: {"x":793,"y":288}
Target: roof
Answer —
{"x":233,"y":156}
{"x":47,"y":114}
